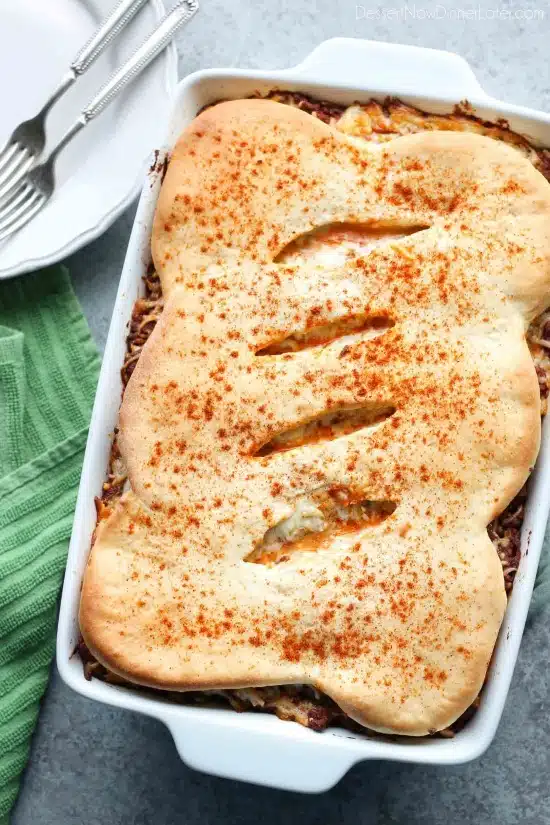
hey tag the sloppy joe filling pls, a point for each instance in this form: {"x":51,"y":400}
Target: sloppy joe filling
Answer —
{"x":310,"y":529}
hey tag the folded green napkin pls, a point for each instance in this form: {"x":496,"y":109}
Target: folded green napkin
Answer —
{"x":48,"y":373}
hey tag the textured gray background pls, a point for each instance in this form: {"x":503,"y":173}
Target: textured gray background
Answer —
{"x":96,"y":765}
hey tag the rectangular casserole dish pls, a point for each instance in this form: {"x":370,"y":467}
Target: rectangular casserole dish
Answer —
{"x":257,"y":747}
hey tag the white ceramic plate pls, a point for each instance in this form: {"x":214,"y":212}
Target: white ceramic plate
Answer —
{"x":100,"y":172}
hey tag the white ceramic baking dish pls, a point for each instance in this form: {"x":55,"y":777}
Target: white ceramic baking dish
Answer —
{"x":256,"y":747}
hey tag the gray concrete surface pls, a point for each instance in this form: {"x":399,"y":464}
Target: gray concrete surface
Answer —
{"x":96,"y":765}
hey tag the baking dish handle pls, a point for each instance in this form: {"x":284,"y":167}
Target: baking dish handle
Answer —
{"x":391,"y":68}
{"x":258,"y":753}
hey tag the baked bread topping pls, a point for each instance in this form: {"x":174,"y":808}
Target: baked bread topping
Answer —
{"x":404,"y":417}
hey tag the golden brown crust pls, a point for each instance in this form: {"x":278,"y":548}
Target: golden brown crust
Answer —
{"x":396,"y":622}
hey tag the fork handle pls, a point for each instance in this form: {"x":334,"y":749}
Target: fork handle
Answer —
{"x":144,"y":54}
{"x":141,"y":58}
{"x":109,"y":28}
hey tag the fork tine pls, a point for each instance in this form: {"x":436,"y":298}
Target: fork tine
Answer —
{"x":17,"y":197}
{"x":16,"y":177}
{"x":23,"y":205}
{"x":22,"y":214}
{"x":13,"y":166}
{"x":24,"y":218}
{"x":7,"y":153}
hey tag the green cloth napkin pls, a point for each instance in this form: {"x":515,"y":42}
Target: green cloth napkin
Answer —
{"x":48,"y":374}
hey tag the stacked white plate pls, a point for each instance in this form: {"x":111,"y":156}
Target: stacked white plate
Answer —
{"x":100,"y":172}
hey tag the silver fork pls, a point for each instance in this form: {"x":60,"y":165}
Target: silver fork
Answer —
{"x":27,"y":141}
{"x":38,"y":186}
